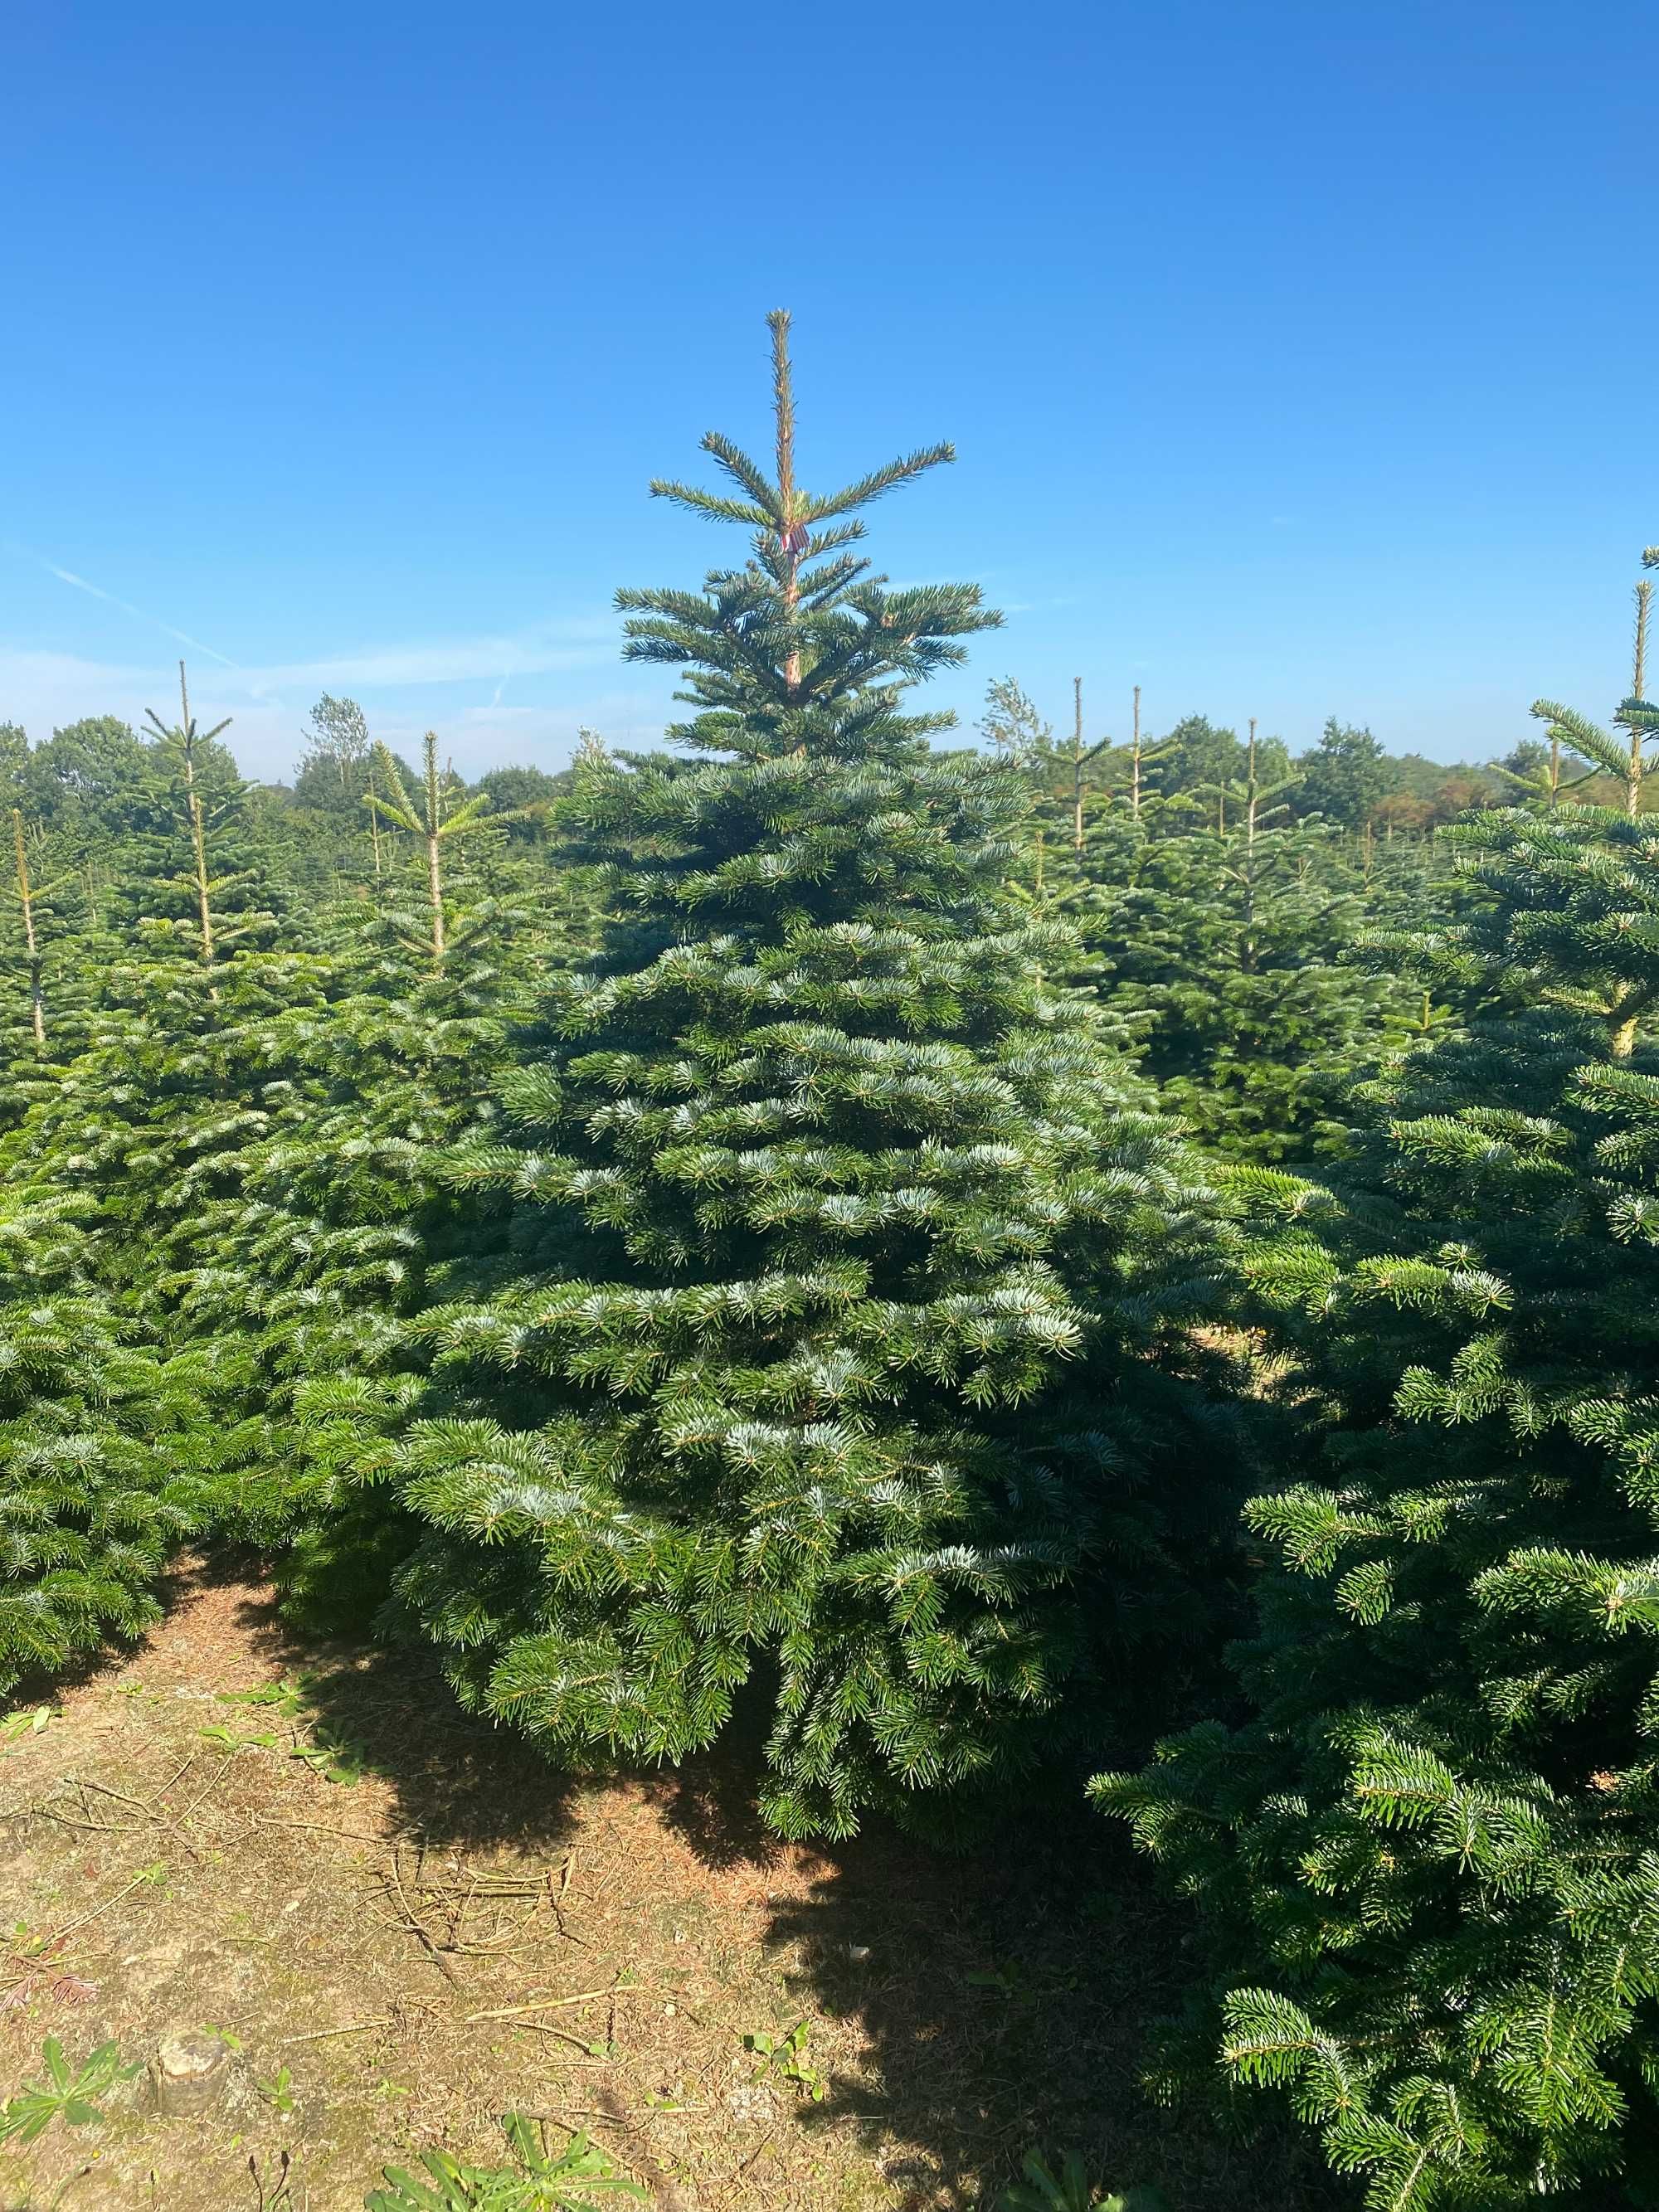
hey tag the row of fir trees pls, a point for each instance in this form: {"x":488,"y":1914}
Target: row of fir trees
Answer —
{"x":818,"y":1225}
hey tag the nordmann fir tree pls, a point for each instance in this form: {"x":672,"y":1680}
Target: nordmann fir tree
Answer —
{"x":1431,"y":1863}
{"x":54,"y":972}
{"x":31,"y":896}
{"x":147,"y":1082}
{"x":109,"y":1449}
{"x":212,"y":924}
{"x":203,"y":1052}
{"x":830,"y":1257}
{"x":264,"y":1155}
{"x":341,"y":1217}
{"x":1235,"y":948}
{"x":442,"y":817}
{"x":97,"y":1479}
{"x":251,"y":1144}
{"x":35,"y":930}
{"x":127,"y":1133}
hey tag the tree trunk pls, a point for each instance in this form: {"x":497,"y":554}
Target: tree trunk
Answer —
{"x":434,"y":884}
{"x":26,"y":899}
{"x":784,"y":400}
{"x":204,"y":908}
{"x":1077,"y":764}
{"x":1624,"y":1017}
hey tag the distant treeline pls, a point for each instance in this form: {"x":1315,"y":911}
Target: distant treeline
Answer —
{"x":99,"y":778}
{"x":1349,"y":778}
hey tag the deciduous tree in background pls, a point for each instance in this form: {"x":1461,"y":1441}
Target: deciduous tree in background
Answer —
{"x":1345,"y":776}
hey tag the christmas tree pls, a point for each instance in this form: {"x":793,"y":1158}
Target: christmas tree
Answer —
{"x":1432,"y":1861}
{"x":824,"y":1334}
{"x":1233,"y":945}
{"x":244,"y":1134}
{"x":99,"y":1480}
{"x":1239,"y":955}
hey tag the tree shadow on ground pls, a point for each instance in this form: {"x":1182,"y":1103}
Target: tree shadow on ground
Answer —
{"x":457,"y":1781}
{"x":713,"y":1800}
{"x":1001,"y":2001}
{"x":1005,"y":2001}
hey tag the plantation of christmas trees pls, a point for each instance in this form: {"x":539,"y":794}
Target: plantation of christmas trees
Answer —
{"x":994,"y":1269}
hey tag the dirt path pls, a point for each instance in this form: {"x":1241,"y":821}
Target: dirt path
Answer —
{"x":409,"y":1926}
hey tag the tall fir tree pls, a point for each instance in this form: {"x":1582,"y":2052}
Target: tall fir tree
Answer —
{"x":827,"y":1329}
{"x":31,"y":965}
{"x":243,"y":1136}
{"x":1432,"y":1861}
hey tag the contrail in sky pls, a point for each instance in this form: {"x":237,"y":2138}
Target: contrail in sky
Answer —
{"x":97,"y":591}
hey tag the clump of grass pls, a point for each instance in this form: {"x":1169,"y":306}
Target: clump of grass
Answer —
{"x":1070,"y":2190}
{"x":580,"y":2177}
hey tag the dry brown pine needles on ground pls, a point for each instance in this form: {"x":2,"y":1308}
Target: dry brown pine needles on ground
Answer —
{"x":405,"y":1924}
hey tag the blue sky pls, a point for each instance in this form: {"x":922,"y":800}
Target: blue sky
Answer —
{"x":1298,"y":357}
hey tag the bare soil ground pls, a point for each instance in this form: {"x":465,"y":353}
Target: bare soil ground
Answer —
{"x":409,"y":1925}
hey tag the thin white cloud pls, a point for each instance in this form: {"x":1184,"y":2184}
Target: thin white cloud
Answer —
{"x":97,"y":591}
{"x":541,"y":649}
{"x":581,"y":641}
